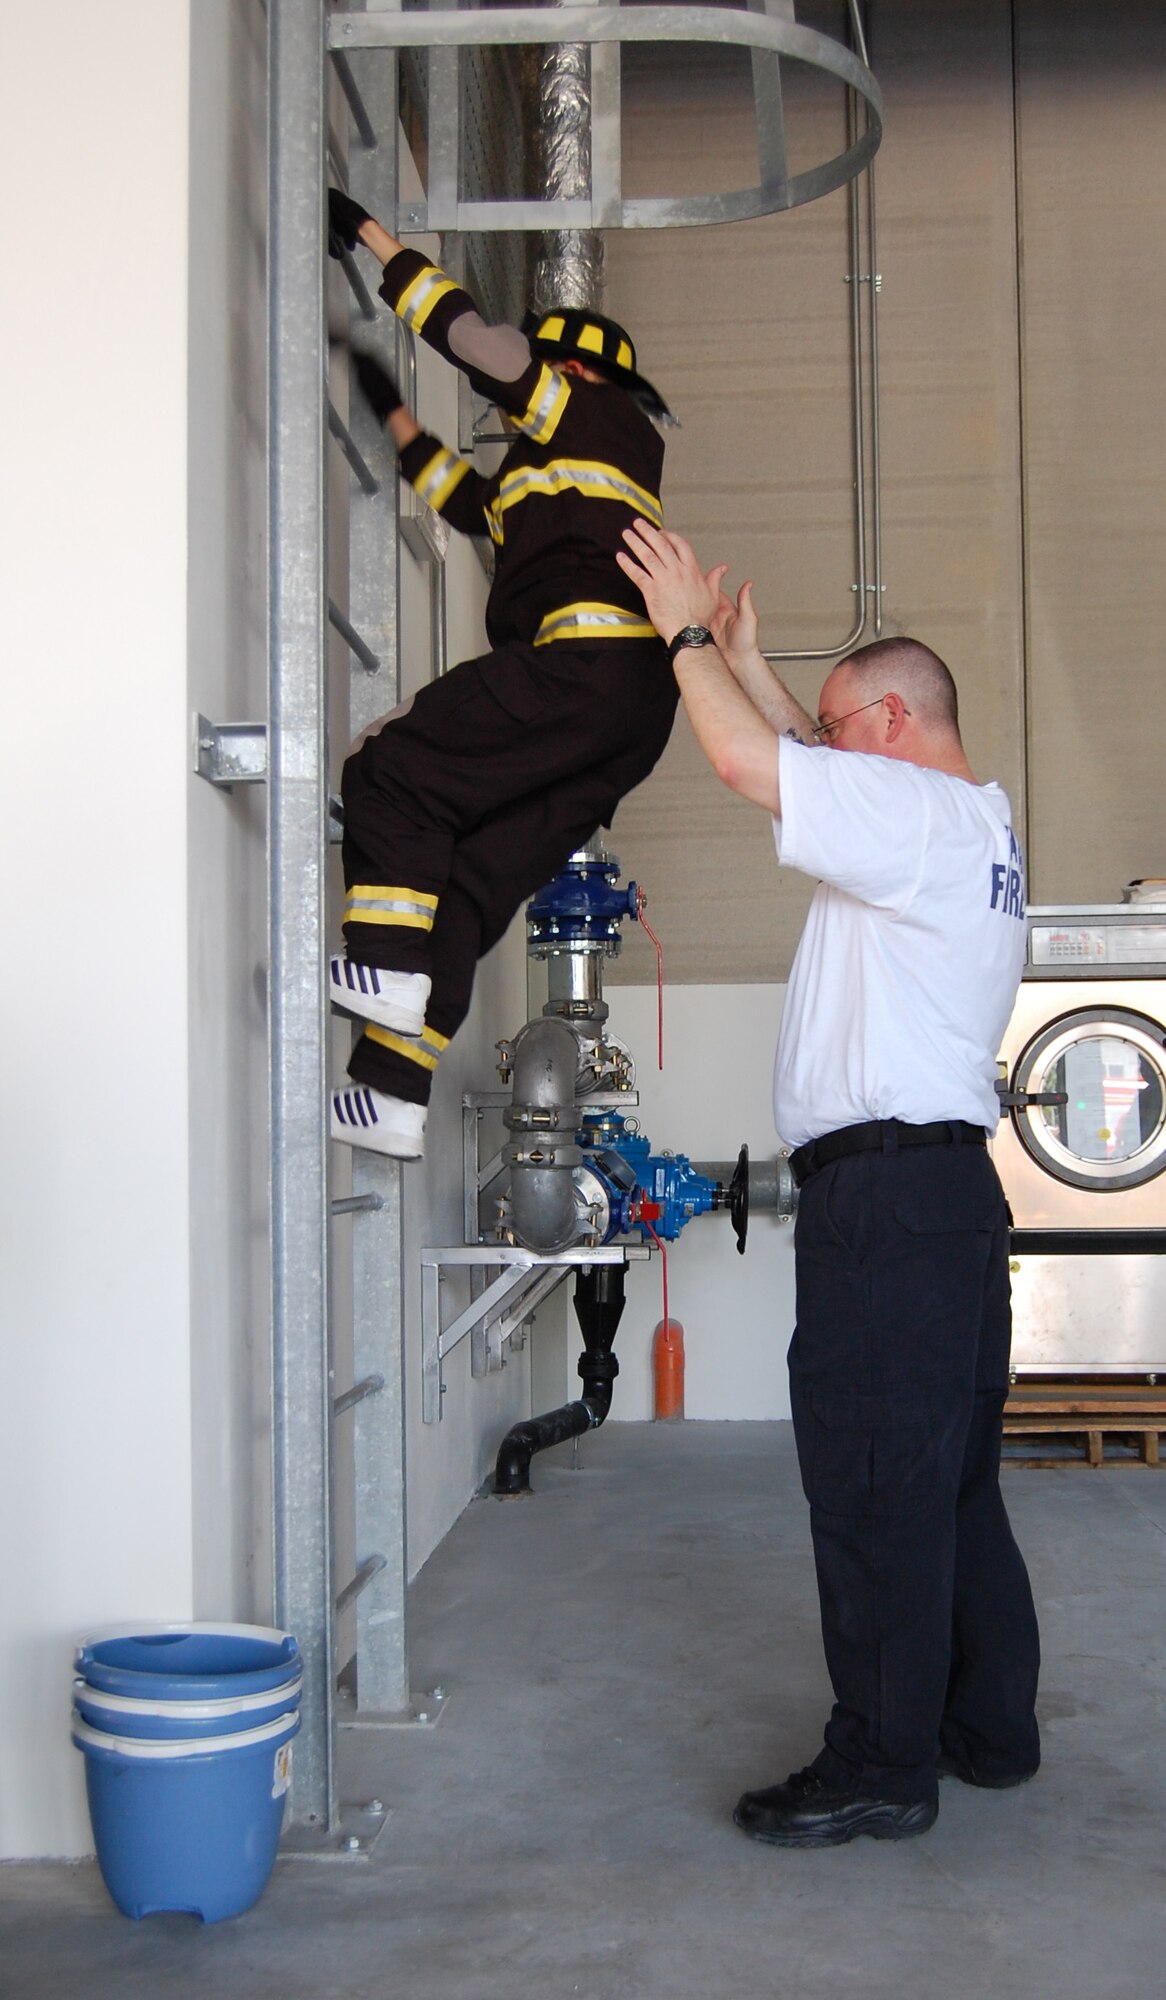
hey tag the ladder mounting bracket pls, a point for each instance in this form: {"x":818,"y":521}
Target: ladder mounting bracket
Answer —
{"x":230,"y":753}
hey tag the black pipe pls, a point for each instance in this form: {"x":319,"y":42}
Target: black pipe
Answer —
{"x":599,"y":1302}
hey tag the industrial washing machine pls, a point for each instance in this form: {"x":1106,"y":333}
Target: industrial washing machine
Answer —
{"x":1081,"y":1144}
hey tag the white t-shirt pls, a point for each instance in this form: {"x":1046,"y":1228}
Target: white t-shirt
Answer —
{"x":907,"y":970}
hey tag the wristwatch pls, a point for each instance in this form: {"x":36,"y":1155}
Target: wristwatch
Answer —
{"x":690,"y":635}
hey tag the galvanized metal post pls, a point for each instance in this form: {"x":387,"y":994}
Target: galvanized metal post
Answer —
{"x":297,"y":836}
{"x":382,"y":1666}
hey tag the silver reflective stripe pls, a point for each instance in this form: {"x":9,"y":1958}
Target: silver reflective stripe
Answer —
{"x":419,"y":298}
{"x":587,"y":476}
{"x":550,"y":404}
{"x":396,"y":907}
{"x":576,"y":618}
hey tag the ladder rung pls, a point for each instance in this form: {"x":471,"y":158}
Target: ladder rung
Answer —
{"x":353,"y":640}
{"x":343,"y":436}
{"x":371,"y":1386}
{"x":356,"y":104}
{"x":360,"y":1581}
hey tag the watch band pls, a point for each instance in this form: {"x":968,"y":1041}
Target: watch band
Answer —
{"x":690,"y":635}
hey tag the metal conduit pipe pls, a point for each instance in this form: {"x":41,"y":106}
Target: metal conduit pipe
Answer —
{"x":856,"y":277}
{"x":599,"y":1302}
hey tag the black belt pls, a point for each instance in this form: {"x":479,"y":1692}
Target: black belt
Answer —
{"x":882,"y":1135}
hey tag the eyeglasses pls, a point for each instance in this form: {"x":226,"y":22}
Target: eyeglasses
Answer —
{"x":825,"y":732}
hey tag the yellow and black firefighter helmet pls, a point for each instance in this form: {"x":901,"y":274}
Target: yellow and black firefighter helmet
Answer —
{"x":573,"y":333}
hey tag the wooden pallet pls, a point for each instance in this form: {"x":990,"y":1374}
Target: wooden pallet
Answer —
{"x":1088,"y":1412}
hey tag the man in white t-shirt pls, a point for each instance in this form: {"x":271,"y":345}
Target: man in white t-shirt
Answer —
{"x":884,"y":1085}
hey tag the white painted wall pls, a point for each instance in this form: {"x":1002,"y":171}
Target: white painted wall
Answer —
{"x":95,"y":1396}
{"x":227,"y":872}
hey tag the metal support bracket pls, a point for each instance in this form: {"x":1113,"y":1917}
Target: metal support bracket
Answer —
{"x":230,"y":753}
{"x":505,"y":1303}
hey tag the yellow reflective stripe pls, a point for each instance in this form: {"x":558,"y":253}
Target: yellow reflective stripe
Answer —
{"x":424,"y":1048}
{"x":624,"y":355}
{"x":591,"y":338}
{"x":436,"y":480}
{"x":592,"y":621}
{"x":494,"y":521}
{"x":382,"y":903}
{"x":548,"y":400}
{"x":419,"y":298}
{"x":588,"y":476}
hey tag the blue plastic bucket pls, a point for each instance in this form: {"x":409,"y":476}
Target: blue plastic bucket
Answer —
{"x":183,"y":1825}
{"x":191,"y":1662}
{"x":124,"y":1715}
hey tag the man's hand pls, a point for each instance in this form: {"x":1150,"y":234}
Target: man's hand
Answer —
{"x":380,"y":388}
{"x":350,"y":224}
{"x":733,"y":626}
{"x":345,"y":217}
{"x":675,"y":588}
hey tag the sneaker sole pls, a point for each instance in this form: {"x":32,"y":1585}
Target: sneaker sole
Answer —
{"x":391,"y":1145}
{"x":872,"y":1828}
{"x":393,"y":1018}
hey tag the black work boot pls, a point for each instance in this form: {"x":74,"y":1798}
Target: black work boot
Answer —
{"x":806,"y":1812}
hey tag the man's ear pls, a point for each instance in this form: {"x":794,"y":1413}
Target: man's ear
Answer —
{"x":897,"y":714}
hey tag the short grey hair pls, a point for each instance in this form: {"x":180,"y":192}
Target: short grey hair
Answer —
{"x":908,"y":668}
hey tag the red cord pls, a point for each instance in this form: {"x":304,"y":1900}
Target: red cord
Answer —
{"x":641,"y":900}
{"x":645,"y":1224}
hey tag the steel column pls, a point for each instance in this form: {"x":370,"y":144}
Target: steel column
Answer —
{"x":297,"y":840}
{"x":382,"y":1666}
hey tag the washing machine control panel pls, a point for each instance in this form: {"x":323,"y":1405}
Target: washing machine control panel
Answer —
{"x":1096,"y":940}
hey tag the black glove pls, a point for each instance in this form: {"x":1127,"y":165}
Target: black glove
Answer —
{"x":344,"y":219}
{"x":380,"y":389}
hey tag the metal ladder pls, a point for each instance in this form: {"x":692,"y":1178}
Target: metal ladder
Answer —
{"x":302,"y":612}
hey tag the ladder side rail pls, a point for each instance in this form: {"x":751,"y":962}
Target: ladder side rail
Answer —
{"x":297,"y":844}
{"x":381,"y":1518}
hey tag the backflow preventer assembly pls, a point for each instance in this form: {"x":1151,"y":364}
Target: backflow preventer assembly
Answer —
{"x":581,"y":1174}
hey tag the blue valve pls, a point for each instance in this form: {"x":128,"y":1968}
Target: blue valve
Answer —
{"x":664,"y":1188}
{"x":582,"y":906}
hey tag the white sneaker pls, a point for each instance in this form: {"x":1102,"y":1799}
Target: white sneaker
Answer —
{"x":378,"y":1123}
{"x":395,"y":1000}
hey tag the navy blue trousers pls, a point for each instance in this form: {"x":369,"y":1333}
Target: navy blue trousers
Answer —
{"x":898,"y":1374}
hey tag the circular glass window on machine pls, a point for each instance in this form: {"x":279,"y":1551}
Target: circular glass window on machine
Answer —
{"x":1104,"y":1070}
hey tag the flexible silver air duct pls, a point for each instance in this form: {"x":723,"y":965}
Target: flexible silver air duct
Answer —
{"x":569,"y":270}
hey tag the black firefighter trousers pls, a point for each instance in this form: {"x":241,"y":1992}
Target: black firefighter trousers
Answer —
{"x":898,"y":1373}
{"x":472,"y":798}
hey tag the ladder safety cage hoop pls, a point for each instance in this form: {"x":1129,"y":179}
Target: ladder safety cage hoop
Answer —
{"x":768,"y":34}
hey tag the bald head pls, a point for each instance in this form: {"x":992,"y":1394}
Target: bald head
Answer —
{"x":908,"y":668}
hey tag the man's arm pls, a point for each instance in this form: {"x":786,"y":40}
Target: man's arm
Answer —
{"x":737,"y":735}
{"x":734,"y":627}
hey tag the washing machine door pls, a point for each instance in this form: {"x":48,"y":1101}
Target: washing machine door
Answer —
{"x":1107,"y":1066}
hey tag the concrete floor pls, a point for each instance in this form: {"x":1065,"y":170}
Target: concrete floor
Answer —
{"x":625,"y":1653}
